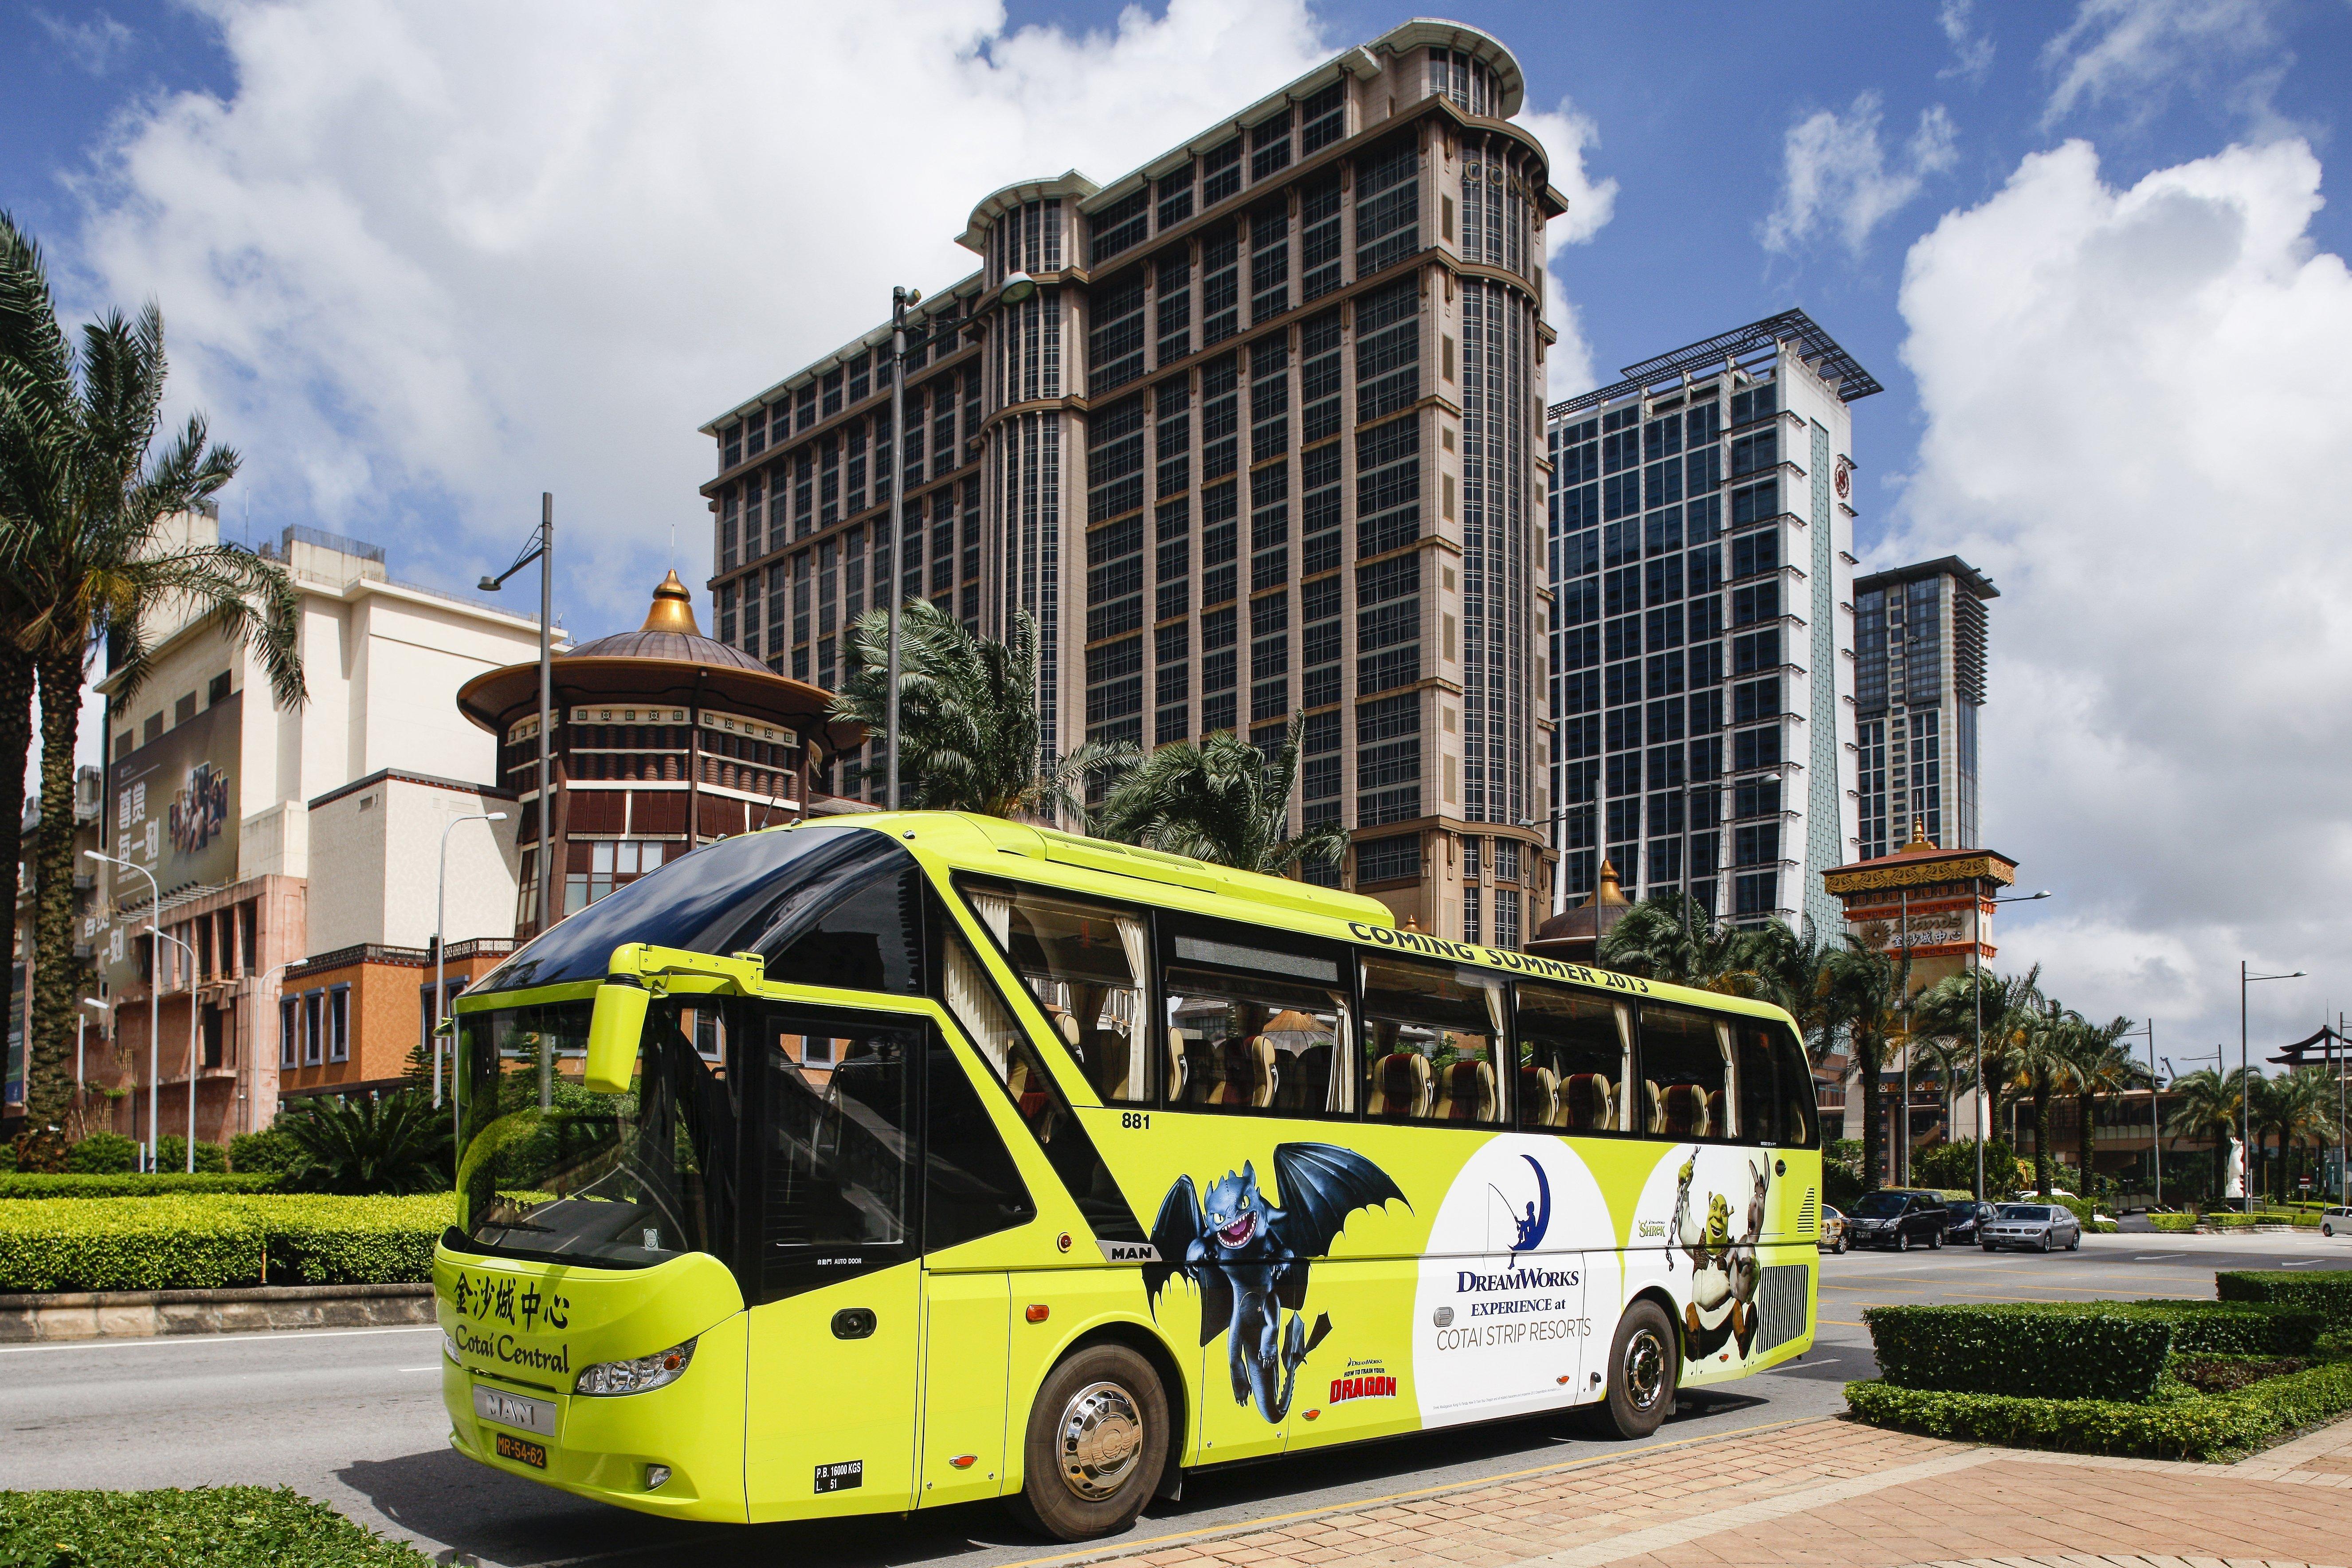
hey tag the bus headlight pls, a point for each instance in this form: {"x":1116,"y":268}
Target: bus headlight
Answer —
{"x":609,"y":1378}
{"x":449,"y":1347}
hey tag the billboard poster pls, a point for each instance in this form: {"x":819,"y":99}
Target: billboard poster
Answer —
{"x":171,"y":809}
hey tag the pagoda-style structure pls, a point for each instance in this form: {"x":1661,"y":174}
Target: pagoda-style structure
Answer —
{"x":1573,"y":936}
{"x":1935,"y":902}
{"x":662,"y":740}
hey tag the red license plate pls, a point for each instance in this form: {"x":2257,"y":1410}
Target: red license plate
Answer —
{"x":522,"y":1450}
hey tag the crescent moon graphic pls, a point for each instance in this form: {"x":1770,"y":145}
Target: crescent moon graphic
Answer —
{"x":1543,"y":1207}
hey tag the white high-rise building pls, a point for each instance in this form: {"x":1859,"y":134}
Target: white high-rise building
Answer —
{"x":1701,"y":562}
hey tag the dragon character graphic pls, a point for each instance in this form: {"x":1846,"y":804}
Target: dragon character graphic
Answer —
{"x":1249,"y":1258}
{"x":1724,"y":1270}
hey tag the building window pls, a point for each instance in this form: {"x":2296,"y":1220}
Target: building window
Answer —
{"x":313,"y":1006}
{"x":597,"y":868}
{"x":289,"y":1029}
{"x":1390,"y":860}
{"x":339,"y":1024}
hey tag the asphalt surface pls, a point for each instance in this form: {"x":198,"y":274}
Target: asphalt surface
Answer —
{"x":354,"y":1418}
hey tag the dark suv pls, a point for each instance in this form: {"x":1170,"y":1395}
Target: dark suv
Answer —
{"x":1895,"y":1218}
{"x":1965,"y":1221}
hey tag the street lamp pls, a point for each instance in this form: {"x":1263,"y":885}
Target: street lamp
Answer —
{"x":2155,"y":1113}
{"x":1976,"y":1000}
{"x":541,"y":547}
{"x":441,"y":935}
{"x":81,"y":1073}
{"x":155,"y":1017}
{"x":2245,"y":1098}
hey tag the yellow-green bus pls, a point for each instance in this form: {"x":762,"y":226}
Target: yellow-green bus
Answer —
{"x":885,"y":1163}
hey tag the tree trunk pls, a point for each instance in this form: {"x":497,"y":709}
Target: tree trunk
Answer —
{"x":1866,"y":1063}
{"x":58,"y":979}
{"x":2041,"y":1136}
{"x":15,"y":746}
{"x":2086,"y":1106}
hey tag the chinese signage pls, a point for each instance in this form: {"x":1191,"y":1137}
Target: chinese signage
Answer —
{"x":173,"y":810}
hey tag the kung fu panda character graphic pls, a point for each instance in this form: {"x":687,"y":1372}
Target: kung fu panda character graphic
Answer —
{"x":1724,"y":1268}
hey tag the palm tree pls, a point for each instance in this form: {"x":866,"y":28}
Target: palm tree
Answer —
{"x":397,"y":1144}
{"x":1223,"y":801}
{"x":1667,"y":937}
{"x":1775,"y":964}
{"x":91,"y":558}
{"x":2044,"y":1062}
{"x":2206,"y":1104}
{"x":2007,"y":1004}
{"x":2298,"y":1107}
{"x":2099,"y":1065}
{"x":970,"y":736}
{"x":1863,"y":997}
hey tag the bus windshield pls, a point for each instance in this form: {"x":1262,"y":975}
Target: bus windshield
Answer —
{"x":547,"y":1170}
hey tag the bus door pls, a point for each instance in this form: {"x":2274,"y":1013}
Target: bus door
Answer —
{"x":830,"y":1132}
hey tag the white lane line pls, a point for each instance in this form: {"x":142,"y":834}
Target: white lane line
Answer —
{"x":435,"y":1367}
{"x":2156,"y":1257}
{"x":294,"y":1335}
{"x":2303,"y":1263}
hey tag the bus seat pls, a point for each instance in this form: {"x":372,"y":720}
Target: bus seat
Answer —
{"x":1681,"y":1111}
{"x":1539,"y":1097}
{"x":1400,"y":1086}
{"x":1312,"y":1068}
{"x":1653,"y":1119}
{"x":1716,"y":1125}
{"x":1588,"y":1104}
{"x":1177,"y":1046}
{"x":1244,"y":1072}
{"x":1202,"y":1086}
{"x":1468,"y":1093}
{"x":1027,"y":1092}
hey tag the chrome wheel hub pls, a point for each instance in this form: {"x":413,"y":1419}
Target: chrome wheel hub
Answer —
{"x":1102,"y":1439}
{"x":1645,"y":1370}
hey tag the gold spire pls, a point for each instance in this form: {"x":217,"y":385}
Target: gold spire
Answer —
{"x":673,"y":608}
{"x":1611,"y":891}
{"x":1919,"y":839}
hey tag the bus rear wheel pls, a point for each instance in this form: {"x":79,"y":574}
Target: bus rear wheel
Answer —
{"x":1098,"y":1442}
{"x":1644,"y":1361}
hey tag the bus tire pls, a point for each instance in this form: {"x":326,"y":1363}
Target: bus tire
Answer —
{"x":1644,"y":1361}
{"x":1097,"y":1443}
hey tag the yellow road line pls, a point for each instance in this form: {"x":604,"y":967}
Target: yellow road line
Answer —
{"x":1129,"y":1547}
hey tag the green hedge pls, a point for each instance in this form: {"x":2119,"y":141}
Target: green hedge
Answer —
{"x":2326,"y":1291}
{"x":2202,"y":1426}
{"x":133,"y":1184}
{"x":2173,"y":1224}
{"x":198,"y":1243}
{"x":211,"y":1527}
{"x":102,"y":1153}
{"x":2075,"y":1350}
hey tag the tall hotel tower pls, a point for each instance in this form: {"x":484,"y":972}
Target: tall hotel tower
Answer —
{"x":1265,"y":439}
{"x":1701,"y":559}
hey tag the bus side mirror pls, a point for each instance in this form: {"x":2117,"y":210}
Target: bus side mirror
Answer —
{"x":614,"y":1029}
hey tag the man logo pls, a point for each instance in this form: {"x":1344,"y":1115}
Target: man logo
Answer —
{"x":1128,"y":1251}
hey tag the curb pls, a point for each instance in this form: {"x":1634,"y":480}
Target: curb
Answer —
{"x":149,"y":1314}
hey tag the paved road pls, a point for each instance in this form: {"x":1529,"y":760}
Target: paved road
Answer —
{"x":354,"y":1418}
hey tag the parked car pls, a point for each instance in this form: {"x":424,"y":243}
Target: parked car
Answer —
{"x":2041,"y":1227}
{"x":2330,"y":1222}
{"x":1967,"y":1220}
{"x":1832,"y":1236}
{"x":1895,"y":1218}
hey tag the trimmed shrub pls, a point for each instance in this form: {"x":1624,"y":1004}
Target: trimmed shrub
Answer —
{"x":2173,"y":1224}
{"x":207,"y":1242}
{"x":133,"y":1185}
{"x":172,"y":1154}
{"x":7,"y":1157}
{"x":102,"y":1153}
{"x":267,"y":1150}
{"x":210,"y":1527}
{"x":2114,"y":1350}
{"x":2202,"y":1426}
{"x":2326,"y":1291}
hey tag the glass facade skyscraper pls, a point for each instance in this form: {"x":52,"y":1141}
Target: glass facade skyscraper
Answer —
{"x":1919,"y":679}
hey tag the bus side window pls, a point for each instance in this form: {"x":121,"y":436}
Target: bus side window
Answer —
{"x":838,"y":1132}
{"x":1776,"y":1086}
{"x":1085,"y":965}
{"x":870,"y":939}
{"x":1576,"y":1057}
{"x":1432,"y":1037}
{"x":1238,"y":1043}
{"x":971,"y":1185}
{"x":1683,"y":1076}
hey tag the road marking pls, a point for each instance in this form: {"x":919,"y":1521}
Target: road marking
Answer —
{"x":296,"y":1335}
{"x":2156,"y":1257}
{"x":2303,"y":1263}
{"x":1840,"y":1322}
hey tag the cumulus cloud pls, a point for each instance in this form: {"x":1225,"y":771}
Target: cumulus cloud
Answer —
{"x":2134,"y":403}
{"x":1566,"y":136}
{"x":2136,"y":53}
{"x":1971,"y":50}
{"x":424,"y":261}
{"x":1837,"y":176}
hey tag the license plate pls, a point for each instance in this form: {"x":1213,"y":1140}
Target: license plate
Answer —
{"x":522,"y":1450}
{"x":515,"y":1410}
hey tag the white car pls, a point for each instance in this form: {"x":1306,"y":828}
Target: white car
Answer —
{"x":2335,"y":1219}
{"x":2041,"y":1227}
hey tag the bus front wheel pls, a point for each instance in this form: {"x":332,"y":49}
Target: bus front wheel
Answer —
{"x":1098,"y":1442}
{"x":1644,"y":1363}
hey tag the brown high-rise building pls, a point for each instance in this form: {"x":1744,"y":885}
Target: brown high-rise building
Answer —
{"x":1266,"y":438}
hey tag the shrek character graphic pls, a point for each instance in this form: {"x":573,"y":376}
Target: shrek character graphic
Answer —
{"x":1724,"y":1269}
{"x":1249,"y":1258}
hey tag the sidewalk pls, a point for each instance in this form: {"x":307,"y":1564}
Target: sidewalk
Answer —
{"x":1837,"y":1494}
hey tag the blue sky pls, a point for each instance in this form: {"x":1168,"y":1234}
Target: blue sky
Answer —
{"x":422,"y":262}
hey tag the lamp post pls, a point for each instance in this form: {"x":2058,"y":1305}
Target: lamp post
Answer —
{"x":190,"y":951}
{"x":2245,"y":1095}
{"x":441,"y":935}
{"x":82,"y":1072}
{"x":541,"y":547}
{"x":1976,"y":1001}
{"x":154,"y":1001}
{"x":2155,"y":1112}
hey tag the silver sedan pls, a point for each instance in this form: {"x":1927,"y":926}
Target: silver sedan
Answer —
{"x":2042,"y":1226}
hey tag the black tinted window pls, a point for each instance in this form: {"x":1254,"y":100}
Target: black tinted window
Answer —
{"x":856,"y":923}
{"x":1776,"y":1086}
{"x":837,"y":1139}
{"x":971,"y":1186}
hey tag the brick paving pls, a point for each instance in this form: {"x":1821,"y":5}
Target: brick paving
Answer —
{"x":1836,"y":1494}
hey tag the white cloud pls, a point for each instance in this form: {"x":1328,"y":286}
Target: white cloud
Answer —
{"x":1567,"y":135}
{"x":426,"y":261}
{"x":1837,"y":174}
{"x":94,"y":44}
{"x":1971,"y":50}
{"x":2135,"y":404}
{"x":2136,"y":52}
